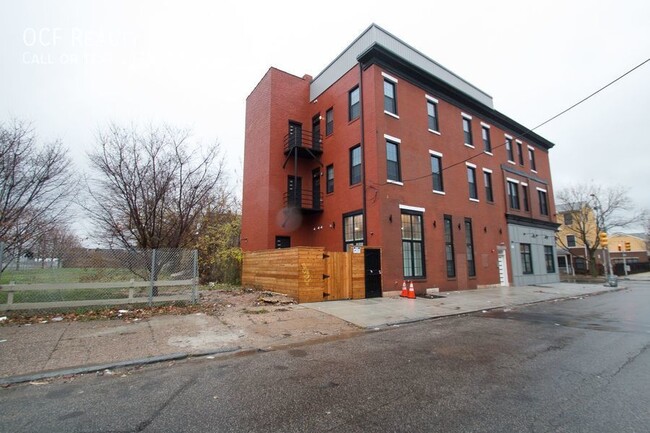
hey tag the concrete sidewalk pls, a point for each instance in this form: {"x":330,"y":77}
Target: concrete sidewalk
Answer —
{"x":29,"y":353}
{"x":387,"y":311}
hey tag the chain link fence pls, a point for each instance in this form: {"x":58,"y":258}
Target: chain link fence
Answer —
{"x":81,"y":277}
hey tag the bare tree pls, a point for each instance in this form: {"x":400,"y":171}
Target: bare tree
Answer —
{"x":595,"y":209}
{"x":150,"y":190}
{"x":36,"y":184}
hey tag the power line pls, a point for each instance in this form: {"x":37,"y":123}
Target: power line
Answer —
{"x":532,"y":129}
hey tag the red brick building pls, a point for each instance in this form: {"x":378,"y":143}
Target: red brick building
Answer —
{"x":388,"y":149}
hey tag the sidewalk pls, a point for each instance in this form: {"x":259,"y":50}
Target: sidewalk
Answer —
{"x":33,"y":352}
{"x":387,"y":311}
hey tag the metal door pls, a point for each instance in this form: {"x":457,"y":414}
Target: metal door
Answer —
{"x":372,"y":262}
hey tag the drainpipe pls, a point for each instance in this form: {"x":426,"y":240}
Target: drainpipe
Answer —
{"x":363,"y":157}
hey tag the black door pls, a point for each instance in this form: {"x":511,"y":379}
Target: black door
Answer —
{"x":294,"y":191}
{"x":295,"y":134}
{"x":372,"y":262}
{"x":315,"y":186}
{"x":315,"y":129}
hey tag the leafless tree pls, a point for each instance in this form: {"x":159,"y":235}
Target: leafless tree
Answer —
{"x":150,"y":189}
{"x":36,"y":184}
{"x":595,"y":209}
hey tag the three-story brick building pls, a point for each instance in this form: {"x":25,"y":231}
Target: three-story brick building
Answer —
{"x":386,"y":148}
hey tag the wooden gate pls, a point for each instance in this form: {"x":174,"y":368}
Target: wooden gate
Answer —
{"x":344,"y":276}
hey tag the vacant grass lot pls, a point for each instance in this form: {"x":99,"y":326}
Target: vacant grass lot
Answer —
{"x":76,"y":276}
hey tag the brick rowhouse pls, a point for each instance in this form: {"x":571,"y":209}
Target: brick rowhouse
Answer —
{"x":386,"y":148}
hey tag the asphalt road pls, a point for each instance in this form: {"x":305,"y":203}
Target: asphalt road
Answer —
{"x":567,"y":366}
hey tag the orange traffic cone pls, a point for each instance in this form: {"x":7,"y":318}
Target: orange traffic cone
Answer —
{"x":411,"y":294}
{"x":405,"y":292}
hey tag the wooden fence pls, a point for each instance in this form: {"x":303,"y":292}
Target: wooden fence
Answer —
{"x":307,"y":274}
{"x":132,"y":286}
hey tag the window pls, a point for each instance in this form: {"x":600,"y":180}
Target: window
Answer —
{"x":520,"y":154}
{"x":432,"y":115}
{"x":487,"y":144}
{"x":392,"y":161}
{"x":526,"y":258}
{"x":568,"y":219}
{"x":531,"y":158}
{"x":354,"y":106}
{"x":282,"y":242}
{"x":513,"y":195}
{"x":449,"y":248}
{"x":436,"y":173}
{"x":469,"y":241}
{"x":467,"y":130}
{"x":330,"y":178}
{"x":412,"y":245}
{"x":570,"y":241}
{"x":329,"y":122}
{"x":390,"y":100}
{"x":471,"y":180}
{"x":511,"y":155}
{"x":543,"y":202}
{"x":524,"y":193}
{"x":549,"y":258}
{"x":487,"y":179}
{"x":352,"y":230}
{"x":355,"y":165}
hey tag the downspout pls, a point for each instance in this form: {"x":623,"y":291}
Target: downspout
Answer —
{"x":363,"y":157}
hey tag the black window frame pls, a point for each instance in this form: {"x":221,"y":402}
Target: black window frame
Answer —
{"x":410,"y":242}
{"x":487,"y":141}
{"x":329,"y":179}
{"x":509,"y":150}
{"x":549,"y":258}
{"x":471,"y":183}
{"x":450,"y":258}
{"x":432,"y":121}
{"x":543,"y":202}
{"x":520,"y":153}
{"x":355,"y":169}
{"x":513,"y":199}
{"x":467,"y":133}
{"x":394,"y":165}
{"x":329,"y":121}
{"x":489,"y":190}
{"x":469,"y":244}
{"x":354,"y":109}
{"x":390,"y":103}
{"x":531,"y":158}
{"x":357,"y":240}
{"x":437,"y":177}
{"x":524,"y":195}
{"x":526,"y":254}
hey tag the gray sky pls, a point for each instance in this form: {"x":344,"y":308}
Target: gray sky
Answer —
{"x":72,"y":66}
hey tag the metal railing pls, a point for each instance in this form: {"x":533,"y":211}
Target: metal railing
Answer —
{"x":303,"y":140}
{"x":304,"y":200}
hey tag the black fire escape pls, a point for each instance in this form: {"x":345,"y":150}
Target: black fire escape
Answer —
{"x":303,"y":145}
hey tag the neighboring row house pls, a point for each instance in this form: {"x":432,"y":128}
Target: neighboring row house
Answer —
{"x":578,"y":220}
{"x":386,"y":148}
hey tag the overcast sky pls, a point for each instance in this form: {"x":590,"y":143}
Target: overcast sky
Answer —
{"x":72,"y":66}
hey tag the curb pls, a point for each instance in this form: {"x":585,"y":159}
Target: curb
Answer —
{"x":12,"y":380}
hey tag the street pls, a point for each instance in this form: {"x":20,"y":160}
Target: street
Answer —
{"x":566,"y":366}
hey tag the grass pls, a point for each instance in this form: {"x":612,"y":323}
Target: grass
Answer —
{"x":67,"y":275}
